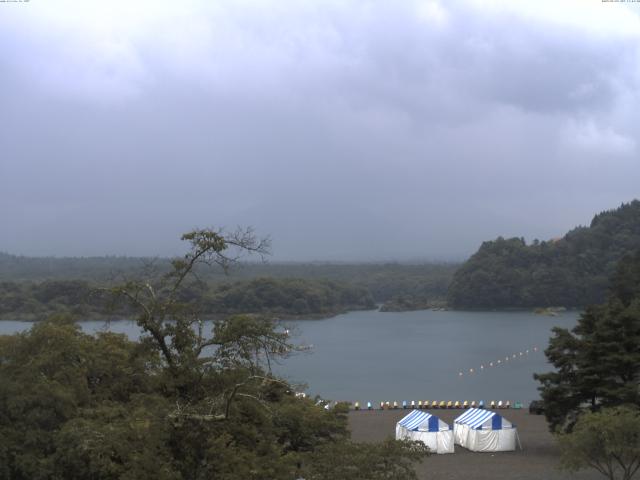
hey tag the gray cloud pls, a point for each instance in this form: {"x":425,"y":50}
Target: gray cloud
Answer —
{"x":354,"y":130}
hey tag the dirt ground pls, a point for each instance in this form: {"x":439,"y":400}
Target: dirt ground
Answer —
{"x":538,"y":459}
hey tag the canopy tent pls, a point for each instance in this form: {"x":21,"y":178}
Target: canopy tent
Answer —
{"x":428,"y":429}
{"x":482,"y":430}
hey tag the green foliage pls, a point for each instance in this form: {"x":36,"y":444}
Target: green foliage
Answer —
{"x":608,"y":441}
{"x":29,"y":301}
{"x":50,"y":376}
{"x":287,"y":297}
{"x":424,"y":283}
{"x":281,"y":297}
{"x":21,"y":278}
{"x":179,"y":404}
{"x":404,"y":303}
{"x":572,"y":271}
{"x":597,"y":362}
{"x":98,"y":269}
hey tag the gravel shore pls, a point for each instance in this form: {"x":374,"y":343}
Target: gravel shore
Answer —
{"x":538,"y":459}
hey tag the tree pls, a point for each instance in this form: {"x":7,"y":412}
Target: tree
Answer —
{"x":181,"y":403}
{"x":168,"y":321}
{"x":608,"y":441}
{"x":597,"y":362}
{"x":53,"y":377}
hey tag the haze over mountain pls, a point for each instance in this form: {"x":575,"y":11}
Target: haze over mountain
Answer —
{"x":346,"y":131}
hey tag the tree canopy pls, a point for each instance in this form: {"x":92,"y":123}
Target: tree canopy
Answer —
{"x":180,"y":403}
{"x":572,"y":271}
{"x":282,"y":297}
{"x":607,"y":441}
{"x":33,"y":287}
{"x":597,"y":363}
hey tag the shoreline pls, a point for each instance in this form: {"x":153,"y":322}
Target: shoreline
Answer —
{"x":294,"y":317}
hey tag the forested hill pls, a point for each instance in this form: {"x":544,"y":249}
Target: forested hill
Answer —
{"x":572,"y":271}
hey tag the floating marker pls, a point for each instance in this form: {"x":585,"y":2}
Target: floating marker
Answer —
{"x":513,"y":356}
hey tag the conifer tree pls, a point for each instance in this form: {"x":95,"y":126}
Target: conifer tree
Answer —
{"x":597,"y":362}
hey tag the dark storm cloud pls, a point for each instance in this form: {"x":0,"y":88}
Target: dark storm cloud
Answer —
{"x":347,"y":131}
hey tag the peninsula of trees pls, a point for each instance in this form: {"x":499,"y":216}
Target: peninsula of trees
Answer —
{"x":572,"y":271}
{"x":267,"y":296}
{"x":33,"y":287}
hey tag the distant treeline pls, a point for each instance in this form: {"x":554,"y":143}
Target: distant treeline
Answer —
{"x":279,"y":297}
{"x":15,"y":268}
{"x":282,"y":296}
{"x":572,"y":271}
{"x":39,"y":285}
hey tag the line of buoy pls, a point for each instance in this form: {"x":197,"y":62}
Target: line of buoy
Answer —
{"x":441,"y":404}
{"x":498,"y":362}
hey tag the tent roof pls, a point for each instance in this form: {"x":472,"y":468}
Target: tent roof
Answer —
{"x":416,"y":419}
{"x":475,"y":418}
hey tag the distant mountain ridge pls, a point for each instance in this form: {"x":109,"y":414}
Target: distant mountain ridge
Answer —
{"x":572,"y":271}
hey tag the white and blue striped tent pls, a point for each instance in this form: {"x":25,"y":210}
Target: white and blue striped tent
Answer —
{"x":427,"y":428}
{"x":482,"y":430}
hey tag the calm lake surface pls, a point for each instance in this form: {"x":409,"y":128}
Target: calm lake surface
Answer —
{"x":375,"y":356}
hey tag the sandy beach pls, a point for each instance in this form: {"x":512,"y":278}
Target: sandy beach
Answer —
{"x":537,"y":461}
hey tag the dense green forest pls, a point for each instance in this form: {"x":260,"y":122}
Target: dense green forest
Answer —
{"x":384,"y":280}
{"x":572,"y":271}
{"x":273,"y":296}
{"x":591,"y":397}
{"x":597,"y":362}
{"x":31,"y":287}
{"x":179,"y":403}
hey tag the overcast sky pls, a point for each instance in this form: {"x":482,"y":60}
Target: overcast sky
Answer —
{"x":355,"y":130}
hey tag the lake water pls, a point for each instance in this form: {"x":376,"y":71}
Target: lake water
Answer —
{"x":376,"y":356}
